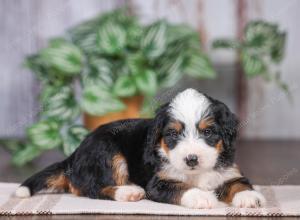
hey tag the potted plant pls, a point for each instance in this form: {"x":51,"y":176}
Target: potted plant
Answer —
{"x":260,"y":51}
{"x":105,"y":69}
{"x":111,"y":67}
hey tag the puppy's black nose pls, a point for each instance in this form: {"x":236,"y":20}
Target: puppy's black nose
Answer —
{"x":191,"y":160}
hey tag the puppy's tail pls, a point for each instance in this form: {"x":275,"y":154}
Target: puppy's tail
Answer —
{"x":52,"y":178}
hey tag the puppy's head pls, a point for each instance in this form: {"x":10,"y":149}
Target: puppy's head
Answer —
{"x":195,"y":132}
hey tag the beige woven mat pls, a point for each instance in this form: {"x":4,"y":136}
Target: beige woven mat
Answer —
{"x":281,"y":201}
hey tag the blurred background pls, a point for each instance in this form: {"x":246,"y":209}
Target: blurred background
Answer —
{"x":68,"y":66}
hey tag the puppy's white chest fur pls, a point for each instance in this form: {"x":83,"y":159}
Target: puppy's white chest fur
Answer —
{"x":210,"y":180}
{"x":206,"y":180}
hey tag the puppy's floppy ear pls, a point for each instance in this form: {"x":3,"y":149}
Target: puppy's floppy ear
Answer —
{"x":227,"y":120}
{"x":158,"y":124}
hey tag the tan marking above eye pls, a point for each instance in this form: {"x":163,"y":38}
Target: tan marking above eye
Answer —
{"x":205,"y":123}
{"x":176,"y":125}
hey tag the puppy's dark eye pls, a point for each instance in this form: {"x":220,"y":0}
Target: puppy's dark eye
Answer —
{"x":172,"y":133}
{"x":207,"y":132}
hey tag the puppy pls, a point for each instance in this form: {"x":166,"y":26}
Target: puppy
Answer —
{"x":184,"y":156}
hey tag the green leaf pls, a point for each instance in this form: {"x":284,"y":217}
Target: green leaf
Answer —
{"x":179,"y":33}
{"x":199,"y":66}
{"x":47,"y":92}
{"x":73,"y":138}
{"x":149,"y":106}
{"x":45,"y":134}
{"x":63,"y":56}
{"x":171,"y":71}
{"x":111,"y":38}
{"x":100,"y":101}
{"x":99,"y":72}
{"x":11,"y":145}
{"x":136,"y":63}
{"x":134,"y":34}
{"x":154,"y":41}
{"x":260,"y":35}
{"x":61,"y":104}
{"x":226,"y":43}
{"x":85,"y":35}
{"x":146,"y":82}
{"x":124,"y":87}
{"x":277,"y":50}
{"x":56,"y":42}
{"x":252,"y":64}
{"x":37,"y":65}
{"x":194,"y":44}
{"x":87,"y":43}
{"x":174,"y":50}
{"x":26,"y":155}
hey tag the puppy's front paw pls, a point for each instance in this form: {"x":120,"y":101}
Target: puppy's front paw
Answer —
{"x":198,"y":199}
{"x":248,"y":199}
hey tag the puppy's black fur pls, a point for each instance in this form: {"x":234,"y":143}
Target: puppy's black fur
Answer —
{"x":89,"y":170}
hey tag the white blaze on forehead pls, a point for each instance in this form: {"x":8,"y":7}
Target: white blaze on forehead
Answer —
{"x":189,"y":106}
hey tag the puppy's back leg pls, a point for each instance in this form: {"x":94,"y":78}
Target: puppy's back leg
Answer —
{"x":123,"y":190}
{"x":123,"y":193}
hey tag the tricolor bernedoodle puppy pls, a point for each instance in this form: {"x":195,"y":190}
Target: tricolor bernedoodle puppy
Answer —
{"x":184,"y":156}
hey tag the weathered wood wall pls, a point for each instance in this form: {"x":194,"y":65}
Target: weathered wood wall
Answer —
{"x":26,"y":26}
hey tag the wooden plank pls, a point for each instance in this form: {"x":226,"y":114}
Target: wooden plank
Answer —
{"x":16,"y":85}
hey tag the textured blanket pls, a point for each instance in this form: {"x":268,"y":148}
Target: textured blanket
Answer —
{"x":281,"y":201}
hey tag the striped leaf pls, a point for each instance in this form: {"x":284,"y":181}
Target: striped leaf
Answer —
{"x":111,"y":38}
{"x":39,"y":67}
{"x":226,"y":43}
{"x":73,"y":138}
{"x":277,"y":50}
{"x":25,"y":155}
{"x":171,"y":71}
{"x":146,"y":82}
{"x":199,"y":66}
{"x":100,"y":101}
{"x":45,"y":134}
{"x":99,"y":71}
{"x":135,"y":62}
{"x":154,"y":41}
{"x":252,"y":64}
{"x":63,"y":56}
{"x":134,"y":33}
{"x":61,"y":104}
{"x":260,"y":35}
{"x":124,"y":87}
{"x":87,"y":44}
{"x":179,"y":33}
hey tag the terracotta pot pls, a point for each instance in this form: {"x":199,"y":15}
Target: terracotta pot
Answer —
{"x":132,"y":111}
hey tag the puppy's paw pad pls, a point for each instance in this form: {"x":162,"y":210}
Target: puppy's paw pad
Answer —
{"x":129,"y":193}
{"x":198,"y":199}
{"x":248,"y":199}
